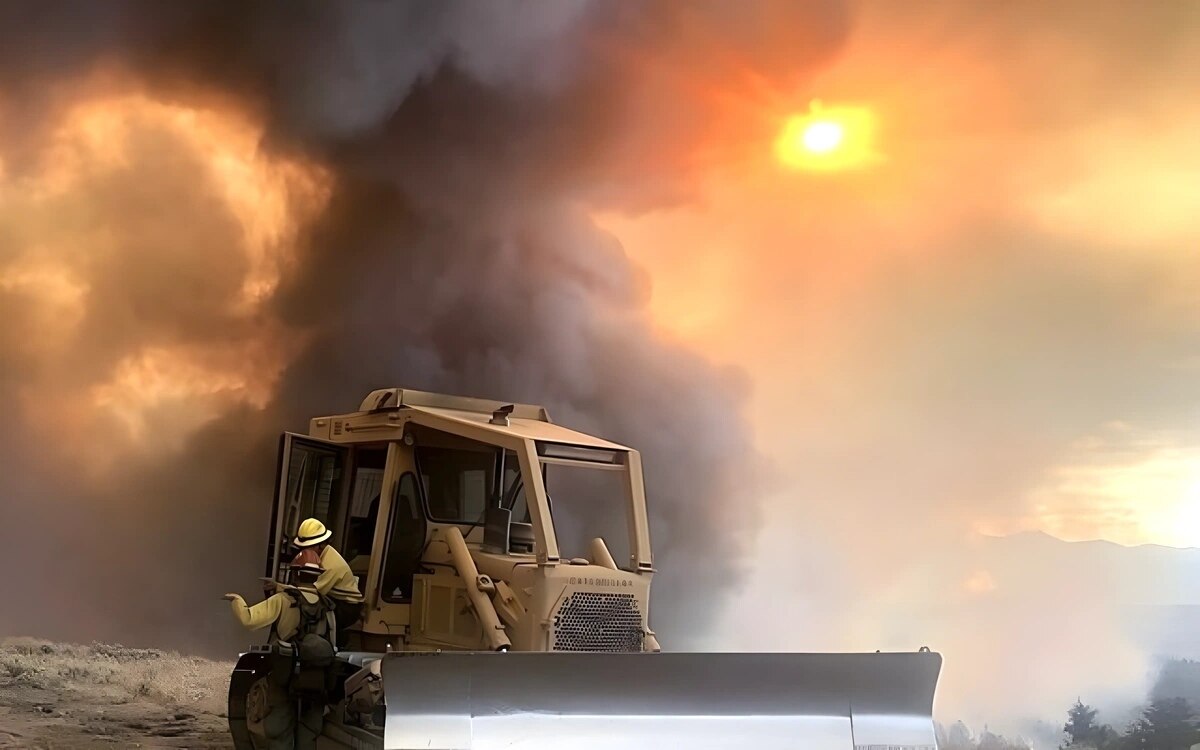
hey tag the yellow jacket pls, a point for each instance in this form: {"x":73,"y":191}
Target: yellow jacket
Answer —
{"x":337,"y":582}
{"x":278,"y":610}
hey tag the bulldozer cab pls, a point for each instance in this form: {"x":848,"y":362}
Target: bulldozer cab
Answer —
{"x":403,"y":479}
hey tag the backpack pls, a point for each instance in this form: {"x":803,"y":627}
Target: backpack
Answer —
{"x":304,"y":665}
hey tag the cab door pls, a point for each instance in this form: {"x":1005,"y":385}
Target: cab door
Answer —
{"x":400,"y":537}
{"x":309,"y":483}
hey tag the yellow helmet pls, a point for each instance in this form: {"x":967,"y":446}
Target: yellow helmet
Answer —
{"x":311,"y":532}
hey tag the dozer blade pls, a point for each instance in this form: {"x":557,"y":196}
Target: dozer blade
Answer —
{"x":663,"y":701}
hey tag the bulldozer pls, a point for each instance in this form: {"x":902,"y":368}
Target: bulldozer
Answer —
{"x":479,"y":631}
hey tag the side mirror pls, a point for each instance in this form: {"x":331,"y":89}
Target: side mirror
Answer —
{"x":497,"y":523}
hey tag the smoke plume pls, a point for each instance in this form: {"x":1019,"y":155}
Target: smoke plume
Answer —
{"x":220,"y":219}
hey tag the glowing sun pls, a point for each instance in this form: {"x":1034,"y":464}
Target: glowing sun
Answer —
{"x":828,"y":138}
{"x":823,"y":136}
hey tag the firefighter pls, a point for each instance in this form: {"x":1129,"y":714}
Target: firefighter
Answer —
{"x":337,"y":582}
{"x":303,"y":628}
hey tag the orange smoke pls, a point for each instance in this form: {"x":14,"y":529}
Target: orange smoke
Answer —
{"x":237,"y":212}
{"x":259,"y":189}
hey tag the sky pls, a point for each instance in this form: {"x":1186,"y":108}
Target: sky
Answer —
{"x":989,"y":326}
{"x":973,"y":315}
{"x":1007,"y":288}
{"x":1013,"y":274}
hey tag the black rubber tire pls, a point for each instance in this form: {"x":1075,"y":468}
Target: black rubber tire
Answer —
{"x":250,"y":668}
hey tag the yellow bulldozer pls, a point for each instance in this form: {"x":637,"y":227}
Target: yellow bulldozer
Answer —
{"x":479,"y":633}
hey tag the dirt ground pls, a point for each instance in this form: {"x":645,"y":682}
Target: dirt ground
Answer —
{"x":58,"y":696}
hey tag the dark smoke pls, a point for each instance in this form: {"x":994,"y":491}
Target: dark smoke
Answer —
{"x":465,"y":145}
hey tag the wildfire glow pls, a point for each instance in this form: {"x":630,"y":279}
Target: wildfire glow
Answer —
{"x":262,"y":191}
{"x":828,"y":139}
{"x":53,"y":272}
{"x":178,"y":384}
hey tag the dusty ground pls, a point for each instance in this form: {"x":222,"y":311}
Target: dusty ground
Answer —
{"x":56,"y":696}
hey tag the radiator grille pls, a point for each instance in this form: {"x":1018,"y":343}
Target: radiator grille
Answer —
{"x":591,"y":621}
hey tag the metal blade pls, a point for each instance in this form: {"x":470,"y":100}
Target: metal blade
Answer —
{"x":697,"y":701}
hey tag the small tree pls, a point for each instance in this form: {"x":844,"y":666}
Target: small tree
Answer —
{"x":989,"y":741}
{"x":957,"y":737}
{"x":1082,"y":730}
{"x":1081,"y":723}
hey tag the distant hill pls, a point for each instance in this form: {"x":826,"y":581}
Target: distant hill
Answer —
{"x":1153,"y":590}
{"x":1145,"y":575}
{"x":1150,"y":594}
{"x":1029,"y":623}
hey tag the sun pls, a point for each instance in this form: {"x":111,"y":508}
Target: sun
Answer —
{"x":823,"y":136}
{"x":828,"y":139}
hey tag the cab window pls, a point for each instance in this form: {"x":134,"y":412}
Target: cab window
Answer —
{"x":310,"y":473}
{"x":312,"y":486}
{"x":364,"y":501}
{"x":457,"y":482}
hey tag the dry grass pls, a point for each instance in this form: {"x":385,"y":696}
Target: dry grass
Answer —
{"x":121,"y":674}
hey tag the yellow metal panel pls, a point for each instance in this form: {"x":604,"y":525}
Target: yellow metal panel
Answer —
{"x":524,"y":429}
{"x":391,"y":398}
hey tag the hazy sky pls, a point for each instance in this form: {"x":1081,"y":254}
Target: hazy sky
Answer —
{"x":1009,"y":293}
{"x":993,"y":327}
